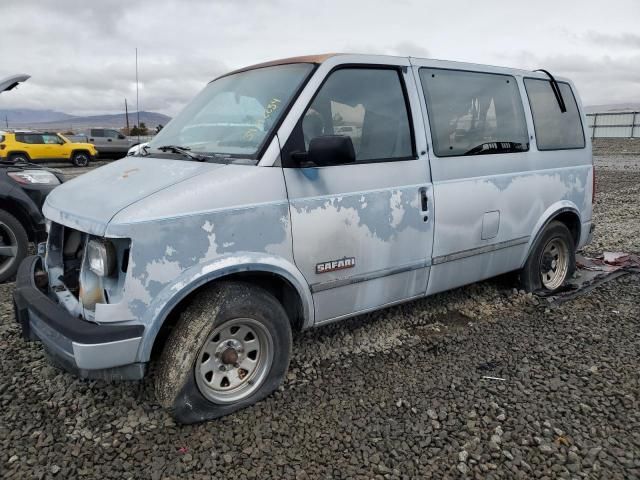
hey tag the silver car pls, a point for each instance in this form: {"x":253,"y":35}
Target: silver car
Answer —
{"x":300,"y":192}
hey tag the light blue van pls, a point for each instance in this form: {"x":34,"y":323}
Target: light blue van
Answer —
{"x":299,"y":192}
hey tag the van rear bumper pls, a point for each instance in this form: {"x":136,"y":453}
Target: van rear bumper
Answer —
{"x":86,"y":349}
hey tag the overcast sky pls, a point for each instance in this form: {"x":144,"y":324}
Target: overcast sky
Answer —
{"x":81,"y":55}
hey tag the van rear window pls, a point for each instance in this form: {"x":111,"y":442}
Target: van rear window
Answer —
{"x":554,"y":130}
{"x":474,"y":113}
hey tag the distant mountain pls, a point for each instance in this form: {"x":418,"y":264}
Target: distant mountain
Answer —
{"x":51,"y":120}
{"x":26,"y":115}
{"x":616,"y":107}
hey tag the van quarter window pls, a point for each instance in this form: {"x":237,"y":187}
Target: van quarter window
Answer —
{"x":554,"y":130}
{"x":473,"y":113}
{"x":368,"y":105}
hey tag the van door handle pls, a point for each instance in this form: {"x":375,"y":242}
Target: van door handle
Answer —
{"x":424,"y":202}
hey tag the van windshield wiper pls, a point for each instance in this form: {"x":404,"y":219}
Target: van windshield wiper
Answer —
{"x":186,"y":151}
{"x":556,"y":90}
{"x":497,"y":147}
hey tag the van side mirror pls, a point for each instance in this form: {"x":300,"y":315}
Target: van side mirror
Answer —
{"x":328,"y":150}
{"x":121,"y":137}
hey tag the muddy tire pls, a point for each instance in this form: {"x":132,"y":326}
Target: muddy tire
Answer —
{"x":551,"y":261}
{"x":80,"y":159}
{"x":14,"y":244}
{"x":230,"y":349}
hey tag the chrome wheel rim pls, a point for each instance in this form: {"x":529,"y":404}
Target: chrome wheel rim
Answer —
{"x":234,"y":360}
{"x":8,"y":247}
{"x":554,"y":264}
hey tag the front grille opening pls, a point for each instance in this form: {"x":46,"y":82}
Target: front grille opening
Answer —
{"x":125,"y":260}
{"x":72,"y":249}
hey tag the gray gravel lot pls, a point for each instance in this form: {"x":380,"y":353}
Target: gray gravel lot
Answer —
{"x":394,"y":394}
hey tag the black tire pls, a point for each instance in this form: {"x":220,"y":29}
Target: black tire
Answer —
{"x":176,"y":386}
{"x":80,"y":159}
{"x":19,"y":158}
{"x":13,"y":238}
{"x":531,"y":276}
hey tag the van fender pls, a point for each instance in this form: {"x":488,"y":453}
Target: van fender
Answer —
{"x":545,"y":219}
{"x":195,"y":277}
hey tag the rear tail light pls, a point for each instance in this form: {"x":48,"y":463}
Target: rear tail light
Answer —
{"x":593,"y":190}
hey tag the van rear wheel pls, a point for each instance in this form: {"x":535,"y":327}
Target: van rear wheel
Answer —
{"x":551,"y":261}
{"x":230,"y":349}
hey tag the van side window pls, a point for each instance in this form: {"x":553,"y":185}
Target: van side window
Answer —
{"x":554,"y":130}
{"x":366,"y":104}
{"x":473,"y":113}
{"x":97,"y":132}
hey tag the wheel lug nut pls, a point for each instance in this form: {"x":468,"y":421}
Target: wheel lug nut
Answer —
{"x":223,"y":368}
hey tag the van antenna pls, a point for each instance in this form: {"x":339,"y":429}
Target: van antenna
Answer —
{"x":137,"y":97}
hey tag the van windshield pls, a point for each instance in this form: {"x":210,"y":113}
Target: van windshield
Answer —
{"x":234,"y":115}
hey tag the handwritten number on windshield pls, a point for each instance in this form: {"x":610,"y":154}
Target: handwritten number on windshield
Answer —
{"x":272,"y":106}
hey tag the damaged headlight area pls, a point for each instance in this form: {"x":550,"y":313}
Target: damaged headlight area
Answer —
{"x":101,"y":257}
{"x":103,"y":272}
{"x":85,"y":270}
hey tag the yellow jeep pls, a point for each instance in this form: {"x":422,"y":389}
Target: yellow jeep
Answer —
{"x":32,"y":146}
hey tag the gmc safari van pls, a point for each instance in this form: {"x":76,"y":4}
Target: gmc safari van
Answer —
{"x":299,"y":192}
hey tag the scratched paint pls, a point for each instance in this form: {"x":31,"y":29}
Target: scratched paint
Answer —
{"x":179,"y":226}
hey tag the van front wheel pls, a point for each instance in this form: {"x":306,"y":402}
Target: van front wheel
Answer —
{"x":230,"y":349}
{"x":551,"y":261}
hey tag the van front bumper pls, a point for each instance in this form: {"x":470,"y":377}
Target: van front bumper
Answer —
{"x":86,"y":349}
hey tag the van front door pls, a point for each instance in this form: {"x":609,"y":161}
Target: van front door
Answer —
{"x":362,"y":232}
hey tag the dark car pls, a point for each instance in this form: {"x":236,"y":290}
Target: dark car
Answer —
{"x":23,"y":188}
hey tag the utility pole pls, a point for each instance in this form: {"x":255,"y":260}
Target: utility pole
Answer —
{"x":126,"y":115}
{"x":137,"y":96}
{"x":6,"y":121}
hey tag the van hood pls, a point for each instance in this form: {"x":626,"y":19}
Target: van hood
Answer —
{"x":88,"y":202}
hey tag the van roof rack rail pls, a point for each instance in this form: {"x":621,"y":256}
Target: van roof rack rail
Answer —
{"x":556,"y":89}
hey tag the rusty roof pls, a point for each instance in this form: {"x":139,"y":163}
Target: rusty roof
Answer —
{"x":285,"y":61}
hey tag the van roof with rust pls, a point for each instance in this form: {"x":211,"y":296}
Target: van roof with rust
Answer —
{"x":437,"y":63}
{"x":285,"y":61}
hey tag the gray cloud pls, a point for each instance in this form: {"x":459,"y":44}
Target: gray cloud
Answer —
{"x":623,"y":40}
{"x":81,"y":54}
{"x":600,"y":79}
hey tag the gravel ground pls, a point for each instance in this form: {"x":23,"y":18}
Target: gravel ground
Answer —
{"x":399,"y":393}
